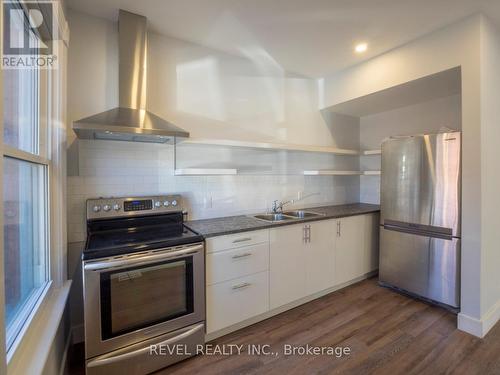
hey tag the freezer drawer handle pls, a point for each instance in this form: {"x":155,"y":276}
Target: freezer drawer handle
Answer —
{"x":424,"y":233}
{"x":136,"y":353}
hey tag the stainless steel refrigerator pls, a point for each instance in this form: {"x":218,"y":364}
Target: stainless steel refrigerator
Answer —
{"x":420,"y":216}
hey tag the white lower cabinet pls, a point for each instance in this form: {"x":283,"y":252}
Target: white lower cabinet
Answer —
{"x":251,"y":273}
{"x":233,"y":301}
{"x":349,"y":251}
{"x":287,"y":276}
{"x":237,"y":278}
{"x":356,"y":247}
{"x":319,"y":252}
{"x":302,"y":261}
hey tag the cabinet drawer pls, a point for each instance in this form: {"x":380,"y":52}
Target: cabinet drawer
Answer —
{"x":233,"y":301}
{"x":230,"y":264}
{"x":232,"y":241}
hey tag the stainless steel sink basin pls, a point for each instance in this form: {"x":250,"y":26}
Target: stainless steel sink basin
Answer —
{"x":299,"y":214}
{"x":273,"y":217}
{"x":287,"y":215}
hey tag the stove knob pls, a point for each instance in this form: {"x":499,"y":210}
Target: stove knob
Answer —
{"x":174,"y":203}
{"x":116,"y":207}
{"x":96,"y":208}
{"x":106,"y":207}
{"x":157,"y":204}
{"x":166,"y":203}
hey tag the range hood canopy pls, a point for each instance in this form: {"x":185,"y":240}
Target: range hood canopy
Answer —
{"x":130,"y":121}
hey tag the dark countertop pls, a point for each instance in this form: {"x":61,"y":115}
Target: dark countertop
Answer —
{"x":236,"y":224}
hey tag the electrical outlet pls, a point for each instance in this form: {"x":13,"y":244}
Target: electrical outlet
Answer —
{"x":207,"y":202}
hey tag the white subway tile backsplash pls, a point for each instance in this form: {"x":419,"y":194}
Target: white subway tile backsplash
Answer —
{"x":110,"y":168}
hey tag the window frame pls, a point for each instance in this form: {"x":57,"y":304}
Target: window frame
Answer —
{"x":46,"y":89}
{"x":30,"y":352}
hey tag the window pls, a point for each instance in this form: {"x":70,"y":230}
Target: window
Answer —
{"x":25,"y":194}
{"x":25,"y":240}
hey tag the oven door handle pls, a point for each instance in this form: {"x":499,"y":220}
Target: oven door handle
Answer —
{"x":109,"y":360}
{"x":140,"y":260}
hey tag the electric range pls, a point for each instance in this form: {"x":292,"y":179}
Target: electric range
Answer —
{"x":144,"y":284}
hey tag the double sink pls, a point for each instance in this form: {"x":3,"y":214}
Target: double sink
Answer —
{"x":287,"y":215}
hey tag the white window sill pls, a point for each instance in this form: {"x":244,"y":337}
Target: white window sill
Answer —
{"x":32,"y":351}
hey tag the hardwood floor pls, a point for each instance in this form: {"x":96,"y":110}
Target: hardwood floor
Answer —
{"x":386,"y":332}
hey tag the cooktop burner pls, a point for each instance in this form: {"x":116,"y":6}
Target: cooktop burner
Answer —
{"x":145,"y":228}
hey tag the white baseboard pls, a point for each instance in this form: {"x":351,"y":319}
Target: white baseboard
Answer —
{"x":491,"y":317}
{"x":470,"y":325}
{"x":479,"y":327}
{"x":77,"y":334}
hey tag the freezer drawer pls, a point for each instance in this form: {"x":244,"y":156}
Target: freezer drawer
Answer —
{"x":426,"y":266}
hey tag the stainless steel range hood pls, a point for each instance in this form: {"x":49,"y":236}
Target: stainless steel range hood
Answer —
{"x":130,"y":121}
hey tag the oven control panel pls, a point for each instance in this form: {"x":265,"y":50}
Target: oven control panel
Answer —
{"x":105,"y":208}
{"x":138,"y":205}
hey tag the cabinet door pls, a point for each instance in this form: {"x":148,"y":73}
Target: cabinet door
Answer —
{"x":320,"y":256}
{"x":371,"y":242}
{"x":287,"y":272}
{"x":233,"y":301}
{"x":349,"y":249}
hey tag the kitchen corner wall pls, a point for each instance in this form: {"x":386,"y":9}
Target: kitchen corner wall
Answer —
{"x":211,"y":94}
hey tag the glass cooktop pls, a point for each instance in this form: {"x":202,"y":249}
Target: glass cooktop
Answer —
{"x":122,"y":236}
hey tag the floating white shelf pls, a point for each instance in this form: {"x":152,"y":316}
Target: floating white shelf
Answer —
{"x":270,"y":146}
{"x":372,"y":152}
{"x":327,"y":172}
{"x":371,"y":173}
{"x":205,"y":171}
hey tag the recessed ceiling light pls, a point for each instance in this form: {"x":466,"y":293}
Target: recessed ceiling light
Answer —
{"x":361,"y":47}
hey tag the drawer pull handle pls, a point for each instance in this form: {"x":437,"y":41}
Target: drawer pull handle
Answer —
{"x":241,"y":286}
{"x":242,"y":239}
{"x":238,"y":256}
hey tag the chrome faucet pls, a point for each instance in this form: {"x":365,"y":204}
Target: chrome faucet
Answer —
{"x":278,"y":207}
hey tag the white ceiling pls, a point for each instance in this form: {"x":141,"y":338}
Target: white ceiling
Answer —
{"x":309,"y":37}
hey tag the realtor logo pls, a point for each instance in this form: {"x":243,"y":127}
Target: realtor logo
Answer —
{"x":29,"y":35}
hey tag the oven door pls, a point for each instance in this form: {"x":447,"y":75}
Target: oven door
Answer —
{"x":128,"y":299}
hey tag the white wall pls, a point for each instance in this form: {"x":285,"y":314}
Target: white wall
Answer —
{"x":490,"y":158}
{"x":427,"y":117}
{"x":92,"y":74}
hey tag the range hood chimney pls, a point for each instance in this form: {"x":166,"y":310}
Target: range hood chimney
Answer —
{"x":130,"y":121}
